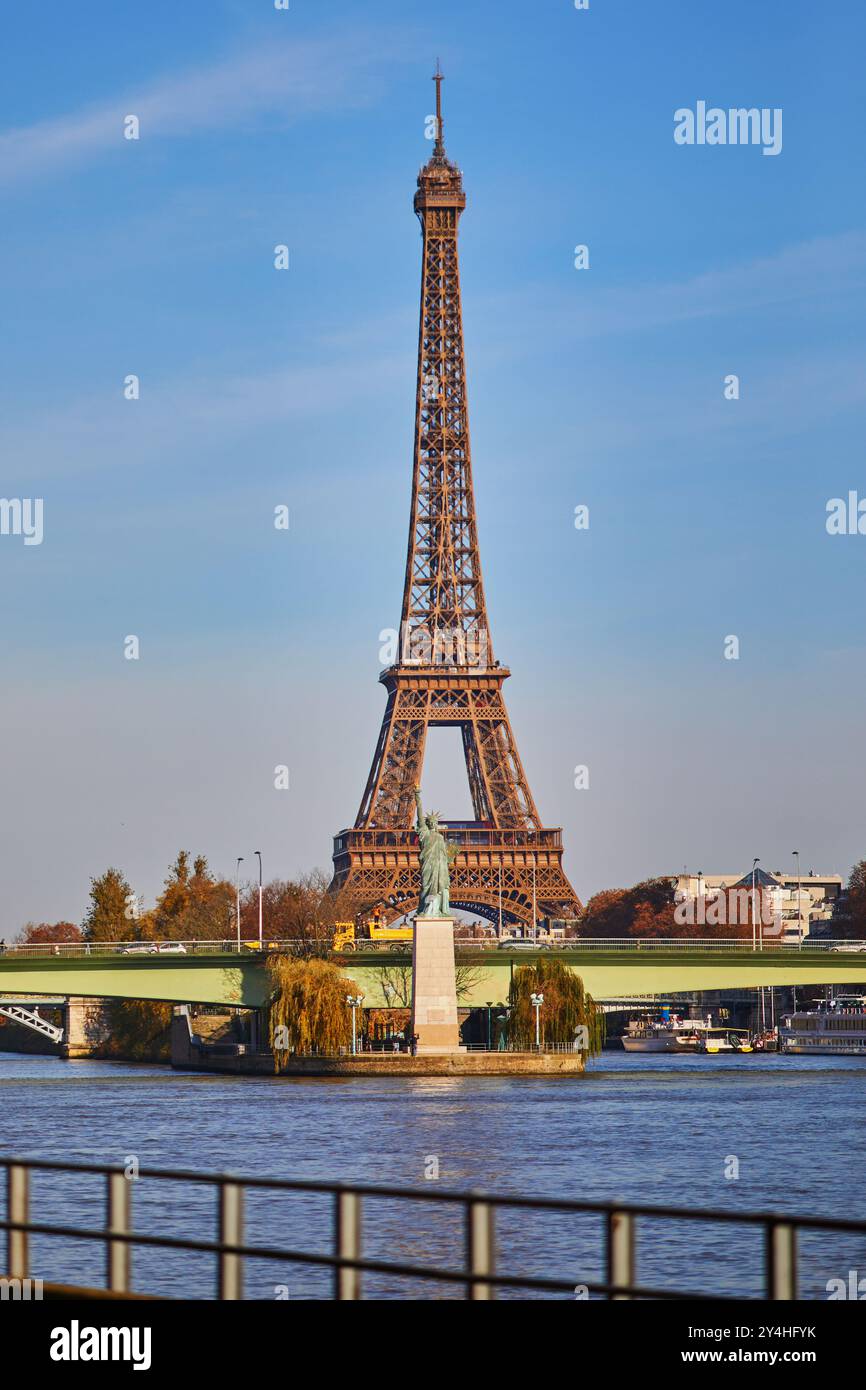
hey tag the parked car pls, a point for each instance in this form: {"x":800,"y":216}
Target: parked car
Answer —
{"x":850,"y":946}
{"x":521,"y":943}
{"x":154,"y":948}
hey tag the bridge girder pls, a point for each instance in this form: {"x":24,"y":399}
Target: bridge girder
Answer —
{"x":243,"y":981}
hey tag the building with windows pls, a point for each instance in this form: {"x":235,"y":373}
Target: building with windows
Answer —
{"x":805,"y":905}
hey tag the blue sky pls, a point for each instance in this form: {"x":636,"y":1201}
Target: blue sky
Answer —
{"x":602,"y":387}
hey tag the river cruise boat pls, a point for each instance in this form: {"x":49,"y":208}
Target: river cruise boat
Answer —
{"x":834,"y":1029}
{"x":684,"y":1035}
{"x":664,"y":1034}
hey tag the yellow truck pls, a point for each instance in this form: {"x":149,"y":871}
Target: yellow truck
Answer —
{"x":349,"y":938}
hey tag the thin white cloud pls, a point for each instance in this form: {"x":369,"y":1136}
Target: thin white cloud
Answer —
{"x":810,"y":269}
{"x":798,"y":389}
{"x":96,"y":430}
{"x":817,"y":269}
{"x":283,"y":80}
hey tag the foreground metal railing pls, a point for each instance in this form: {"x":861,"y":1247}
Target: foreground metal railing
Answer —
{"x":478,"y":1277}
{"x":136,"y":950}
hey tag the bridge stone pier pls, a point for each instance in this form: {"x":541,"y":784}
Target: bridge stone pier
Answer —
{"x":83,"y":1026}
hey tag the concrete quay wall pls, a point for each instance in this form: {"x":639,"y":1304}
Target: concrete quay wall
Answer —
{"x":189,"y":1054}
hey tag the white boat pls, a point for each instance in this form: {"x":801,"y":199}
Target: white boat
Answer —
{"x":664,"y":1035}
{"x":716,"y":1040}
{"x":834,"y":1029}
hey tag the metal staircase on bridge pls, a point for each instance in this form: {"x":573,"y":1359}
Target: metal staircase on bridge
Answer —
{"x":31,"y":1018}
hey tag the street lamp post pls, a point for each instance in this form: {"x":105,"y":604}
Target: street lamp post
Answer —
{"x":354,"y":1001}
{"x":259,"y":854}
{"x":489,"y":1007}
{"x":755,"y":863}
{"x":238,"y":896}
{"x":796,"y":854}
{"x":537,"y":1001}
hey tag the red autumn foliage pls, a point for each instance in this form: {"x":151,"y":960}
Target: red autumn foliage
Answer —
{"x":40,"y":933}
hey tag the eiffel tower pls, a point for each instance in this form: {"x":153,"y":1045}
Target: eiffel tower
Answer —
{"x":510,"y":867}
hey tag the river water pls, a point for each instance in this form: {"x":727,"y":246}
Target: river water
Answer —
{"x":641,"y":1128}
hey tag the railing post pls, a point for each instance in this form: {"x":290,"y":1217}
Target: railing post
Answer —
{"x":620,"y":1251}
{"x":480,"y":1248}
{"x":781,"y":1252}
{"x":117,"y":1223}
{"x":18,"y":1205}
{"x":231,"y":1232}
{"x":347,"y":1245}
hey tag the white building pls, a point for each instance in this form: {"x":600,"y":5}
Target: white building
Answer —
{"x":803,"y":905}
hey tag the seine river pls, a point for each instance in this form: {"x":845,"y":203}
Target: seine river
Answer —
{"x":649,"y":1129}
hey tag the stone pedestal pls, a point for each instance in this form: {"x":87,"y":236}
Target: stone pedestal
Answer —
{"x":434,"y":988}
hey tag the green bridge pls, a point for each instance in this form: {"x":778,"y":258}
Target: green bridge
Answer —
{"x":217,"y":973}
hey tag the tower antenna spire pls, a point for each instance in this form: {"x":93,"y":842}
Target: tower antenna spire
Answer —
{"x":439,"y":78}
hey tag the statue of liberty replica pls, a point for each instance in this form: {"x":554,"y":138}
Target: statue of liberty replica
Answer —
{"x":434,"y":987}
{"x":436,"y":857}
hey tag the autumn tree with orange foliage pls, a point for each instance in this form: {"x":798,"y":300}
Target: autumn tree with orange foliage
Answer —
{"x":301,"y":910}
{"x":193,"y":906}
{"x":649,"y":909}
{"x":42,"y":933}
{"x":645,"y":910}
{"x":110,"y":916}
{"x":853,"y":920}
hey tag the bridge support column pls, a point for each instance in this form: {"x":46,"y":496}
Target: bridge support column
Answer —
{"x":183,"y":1053}
{"x":83,"y":1026}
{"x":258,"y":1028}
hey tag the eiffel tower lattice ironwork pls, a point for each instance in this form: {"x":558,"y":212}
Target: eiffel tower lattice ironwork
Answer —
{"x":510,"y":866}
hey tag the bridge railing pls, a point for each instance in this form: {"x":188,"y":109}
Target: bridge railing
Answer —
{"x":140,"y":949}
{"x":679,"y":943}
{"x":475,"y":1272}
{"x":136,"y":949}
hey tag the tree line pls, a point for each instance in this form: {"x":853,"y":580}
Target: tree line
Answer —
{"x":197,"y":905}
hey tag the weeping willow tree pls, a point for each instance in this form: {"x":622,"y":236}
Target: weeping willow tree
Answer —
{"x":309,"y":1007}
{"x":566,"y":1008}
